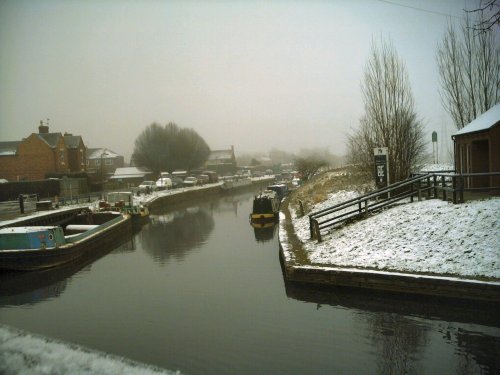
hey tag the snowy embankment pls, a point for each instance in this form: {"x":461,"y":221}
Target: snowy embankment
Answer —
{"x":431,"y":236}
{"x":23,"y":353}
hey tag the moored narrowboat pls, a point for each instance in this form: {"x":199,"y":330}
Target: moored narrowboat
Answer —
{"x":28,"y":248}
{"x":123,"y":201}
{"x":265,"y":206}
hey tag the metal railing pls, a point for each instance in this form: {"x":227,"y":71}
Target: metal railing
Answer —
{"x":447,"y":186}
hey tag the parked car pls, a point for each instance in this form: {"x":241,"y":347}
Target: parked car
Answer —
{"x":177,"y":182}
{"x":203,"y":179}
{"x":213,"y":176}
{"x":190,"y":181}
{"x":147,"y":186}
{"x":164,"y":183}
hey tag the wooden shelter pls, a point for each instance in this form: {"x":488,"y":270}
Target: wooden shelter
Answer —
{"x":477,"y":150}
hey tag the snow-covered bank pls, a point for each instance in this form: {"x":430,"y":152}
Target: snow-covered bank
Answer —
{"x":425,"y":237}
{"x":24,"y":353}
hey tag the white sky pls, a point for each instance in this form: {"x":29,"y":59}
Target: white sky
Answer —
{"x":253,"y":74}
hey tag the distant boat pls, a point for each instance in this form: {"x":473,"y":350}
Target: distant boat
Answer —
{"x":265,"y":206}
{"x":233,"y":183}
{"x":28,"y":248}
{"x":280,"y":189}
{"x":123,"y":201}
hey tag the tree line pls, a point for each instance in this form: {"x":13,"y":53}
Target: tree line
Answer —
{"x":468,"y":60}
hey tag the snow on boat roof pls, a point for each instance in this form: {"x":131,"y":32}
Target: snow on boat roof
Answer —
{"x":26,"y":229}
{"x":483,"y":121}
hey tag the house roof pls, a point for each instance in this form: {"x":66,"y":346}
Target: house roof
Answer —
{"x":220,"y":154}
{"x":9,"y":148}
{"x":97,"y":153}
{"x":50,"y":138}
{"x":72,"y":141}
{"x":130,"y":172}
{"x":483,"y":122}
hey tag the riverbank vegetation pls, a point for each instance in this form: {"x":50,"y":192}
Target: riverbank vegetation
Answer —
{"x":319,"y":187}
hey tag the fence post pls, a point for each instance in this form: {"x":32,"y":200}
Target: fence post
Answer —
{"x":443,"y":185}
{"x":301,"y":206}
{"x":434,"y":184}
{"x":460,"y":188}
{"x":316,"y":229}
{"x":21,"y":203}
{"x":411,"y":192}
{"x":428,"y":187}
{"x":366,"y":208}
{"x":311,"y":227}
{"x":359,"y":208}
{"x":454,"y":187}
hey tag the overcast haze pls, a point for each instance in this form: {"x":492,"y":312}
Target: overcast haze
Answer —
{"x":253,"y":74}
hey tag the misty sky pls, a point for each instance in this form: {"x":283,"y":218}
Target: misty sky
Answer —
{"x":253,"y":74}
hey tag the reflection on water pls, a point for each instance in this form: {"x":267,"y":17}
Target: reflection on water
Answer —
{"x":225,"y":309}
{"x":400,"y":327}
{"x":19,"y":287}
{"x":176,"y":233}
{"x":263,"y":231}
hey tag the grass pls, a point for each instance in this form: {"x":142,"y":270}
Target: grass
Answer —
{"x":320,"y":186}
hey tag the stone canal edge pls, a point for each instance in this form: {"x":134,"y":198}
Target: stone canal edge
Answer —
{"x":297,"y":268}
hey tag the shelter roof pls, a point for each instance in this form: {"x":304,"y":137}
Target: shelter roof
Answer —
{"x":130,"y":172}
{"x":483,"y":122}
{"x":220,"y":154}
{"x":97,"y":153}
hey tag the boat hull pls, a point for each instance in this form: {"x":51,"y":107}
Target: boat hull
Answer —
{"x":36,"y":259}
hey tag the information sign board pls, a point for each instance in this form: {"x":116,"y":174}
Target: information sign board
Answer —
{"x":381,"y":167}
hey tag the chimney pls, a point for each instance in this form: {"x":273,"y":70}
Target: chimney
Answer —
{"x":43,"y":129}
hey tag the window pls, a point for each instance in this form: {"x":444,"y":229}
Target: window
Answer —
{"x":97,"y":161}
{"x":108,"y":161}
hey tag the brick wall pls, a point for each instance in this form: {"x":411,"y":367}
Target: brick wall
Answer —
{"x":34,"y":159}
{"x":77,"y":158}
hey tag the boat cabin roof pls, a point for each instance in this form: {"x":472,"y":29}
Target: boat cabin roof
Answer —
{"x":269,"y":194}
{"x":26,"y":229}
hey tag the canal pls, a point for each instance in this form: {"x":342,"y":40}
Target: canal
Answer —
{"x":201,"y":291}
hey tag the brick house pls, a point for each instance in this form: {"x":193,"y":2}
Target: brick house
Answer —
{"x":34,"y":157}
{"x":76,"y":152}
{"x":477,"y":149}
{"x":101,"y":163}
{"x":222,"y":161}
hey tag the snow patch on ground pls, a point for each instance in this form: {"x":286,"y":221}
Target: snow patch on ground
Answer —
{"x":430,"y":237}
{"x":23,"y":353}
{"x":437,"y":168}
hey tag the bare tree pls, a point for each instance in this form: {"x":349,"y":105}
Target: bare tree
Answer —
{"x":487,"y":22}
{"x":469,"y":70}
{"x":390,"y":119}
{"x":166,"y":148}
{"x":308,"y":167}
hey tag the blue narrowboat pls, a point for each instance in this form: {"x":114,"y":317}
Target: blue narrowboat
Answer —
{"x":28,"y":248}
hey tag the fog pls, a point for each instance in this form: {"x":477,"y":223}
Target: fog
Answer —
{"x":254,"y":74}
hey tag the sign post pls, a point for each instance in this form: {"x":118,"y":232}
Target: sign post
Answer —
{"x":381,"y":167}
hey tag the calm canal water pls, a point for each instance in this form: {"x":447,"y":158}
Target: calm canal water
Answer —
{"x":200,"y":291}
